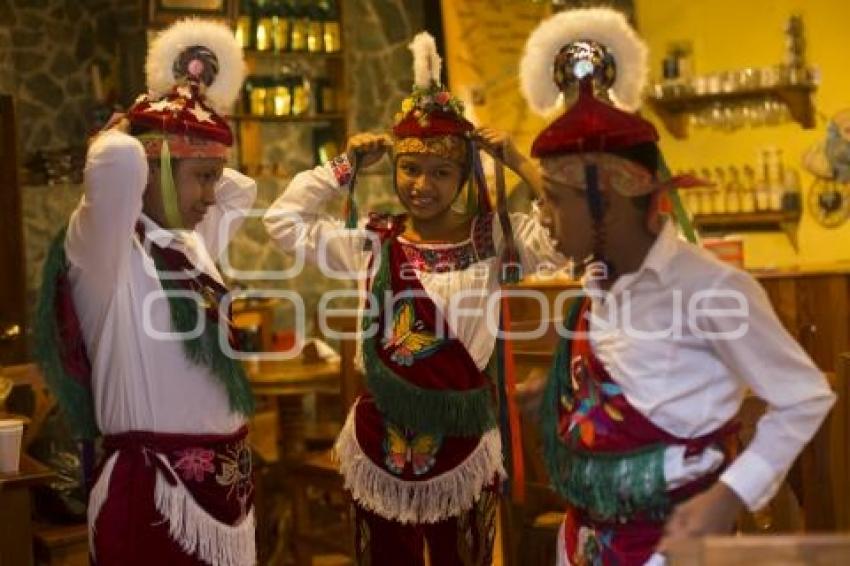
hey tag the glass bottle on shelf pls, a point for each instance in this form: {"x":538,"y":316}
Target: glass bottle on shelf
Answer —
{"x":748,"y":194}
{"x":718,"y":191}
{"x":330,"y":26}
{"x":258,"y":96}
{"x":325,"y":96}
{"x":776,"y":190}
{"x":282,"y":96}
{"x":298,"y":26}
{"x":762,"y":187}
{"x":314,"y":29}
{"x":792,"y":195}
{"x":706,"y":202}
{"x":280,"y":28}
{"x":245,"y":24}
{"x":264,"y":30}
{"x":733,"y":191}
{"x":300,"y":95}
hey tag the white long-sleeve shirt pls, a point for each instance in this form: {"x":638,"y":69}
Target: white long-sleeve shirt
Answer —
{"x":141,"y":382}
{"x":685,"y":336}
{"x":297,"y":223}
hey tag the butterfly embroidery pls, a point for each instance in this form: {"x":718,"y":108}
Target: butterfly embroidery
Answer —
{"x":409,"y":341}
{"x":591,"y":406}
{"x":402,"y":448}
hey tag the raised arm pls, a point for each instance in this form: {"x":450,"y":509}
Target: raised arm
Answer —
{"x":101,"y":228}
{"x":234,"y":197}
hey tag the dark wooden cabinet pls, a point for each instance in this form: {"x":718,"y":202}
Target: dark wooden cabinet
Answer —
{"x":813,"y":307}
{"x":13,"y":304}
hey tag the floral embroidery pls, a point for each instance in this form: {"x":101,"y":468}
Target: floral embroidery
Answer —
{"x":454,"y":258}
{"x":409,"y":341}
{"x":594,"y":547}
{"x":405,"y":447}
{"x":597,"y":408}
{"x":236,"y":472}
{"x":195,"y":463}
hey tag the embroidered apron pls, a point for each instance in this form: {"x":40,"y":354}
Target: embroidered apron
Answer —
{"x":607,"y":459}
{"x":422,"y":444}
{"x":174,"y":499}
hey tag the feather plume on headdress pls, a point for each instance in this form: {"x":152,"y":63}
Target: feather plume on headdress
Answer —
{"x":603,"y":25}
{"x":220,"y":52}
{"x":427,"y":63}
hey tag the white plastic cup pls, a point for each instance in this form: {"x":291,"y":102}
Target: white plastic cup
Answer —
{"x":11,"y":433}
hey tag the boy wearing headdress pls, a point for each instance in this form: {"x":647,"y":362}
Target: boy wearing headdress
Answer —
{"x":132,"y":338}
{"x":658,"y":353}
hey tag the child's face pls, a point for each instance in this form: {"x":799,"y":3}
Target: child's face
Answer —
{"x":195,"y":180}
{"x":565,"y":206}
{"x":427,"y":184}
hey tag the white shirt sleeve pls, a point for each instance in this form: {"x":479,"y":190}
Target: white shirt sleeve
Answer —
{"x":296,"y":221}
{"x":101,"y":227}
{"x":534,"y":243}
{"x":234,"y":197}
{"x":775,"y":368}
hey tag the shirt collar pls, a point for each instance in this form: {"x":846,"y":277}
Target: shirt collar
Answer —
{"x":656,"y":261}
{"x":163,"y":237}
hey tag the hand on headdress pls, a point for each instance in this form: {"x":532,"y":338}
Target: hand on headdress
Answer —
{"x":367,"y":148}
{"x":499,"y":145}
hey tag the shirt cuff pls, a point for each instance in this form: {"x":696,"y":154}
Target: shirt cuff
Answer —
{"x":752,"y":479}
{"x":341,"y":168}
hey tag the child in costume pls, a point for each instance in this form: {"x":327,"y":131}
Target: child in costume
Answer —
{"x":421,"y":452}
{"x":639,"y":405}
{"x":131,"y":337}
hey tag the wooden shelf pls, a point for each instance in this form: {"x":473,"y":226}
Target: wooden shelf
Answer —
{"x":290,"y":55}
{"x":770,"y":221}
{"x":304,"y":119}
{"x":674,"y":111}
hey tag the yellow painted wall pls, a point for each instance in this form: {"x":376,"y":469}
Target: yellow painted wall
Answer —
{"x":730,"y":34}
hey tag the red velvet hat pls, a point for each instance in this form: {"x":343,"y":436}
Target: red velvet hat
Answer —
{"x":592,"y":125}
{"x":431,"y":119}
{"x":194,"y":73}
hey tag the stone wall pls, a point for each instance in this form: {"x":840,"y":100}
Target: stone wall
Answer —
{"x":379,"y":76}
{"x":48,"y":48}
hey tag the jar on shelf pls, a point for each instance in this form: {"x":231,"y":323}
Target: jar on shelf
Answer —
{"x":281,"y":23}
{"x":258,"y":96}
{"x":330,"y":26}
{"x":264,"y":29}
{"x":245,"y":24}
{"x":300,"y":96}
{"x":325,"y":93}
{"x":282,"y":97}
{"x":299,"y":26}
{"x":315,"y":31}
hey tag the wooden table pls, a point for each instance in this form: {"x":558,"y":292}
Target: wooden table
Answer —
{"x":16,"y":511}
{"x":768,"y":550}
{"x":287,"y":382}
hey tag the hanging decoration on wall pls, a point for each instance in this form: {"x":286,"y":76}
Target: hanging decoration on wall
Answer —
{"x":829,"y":161}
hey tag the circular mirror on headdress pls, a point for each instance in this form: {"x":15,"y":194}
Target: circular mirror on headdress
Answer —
{"x":581,"y":59}
{"x":197,"y":64}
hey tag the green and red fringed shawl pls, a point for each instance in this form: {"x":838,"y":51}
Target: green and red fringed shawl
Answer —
{"x":62,"y":356}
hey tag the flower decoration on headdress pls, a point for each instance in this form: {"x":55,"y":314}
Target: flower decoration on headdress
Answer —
{"x":430,"y":110}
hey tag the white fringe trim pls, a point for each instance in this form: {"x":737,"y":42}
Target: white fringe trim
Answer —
{"x":98,"y":496}
{"x":198,"y":533}
{"x":427,"y":501}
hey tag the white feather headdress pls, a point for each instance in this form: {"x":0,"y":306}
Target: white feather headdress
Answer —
{"x":603,"y":25}
{"x":218,"y":38}
{"x":427,"y":63}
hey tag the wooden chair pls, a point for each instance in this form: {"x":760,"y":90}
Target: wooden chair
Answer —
{"x":54,"y":545}
{"x":319,"y":473}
